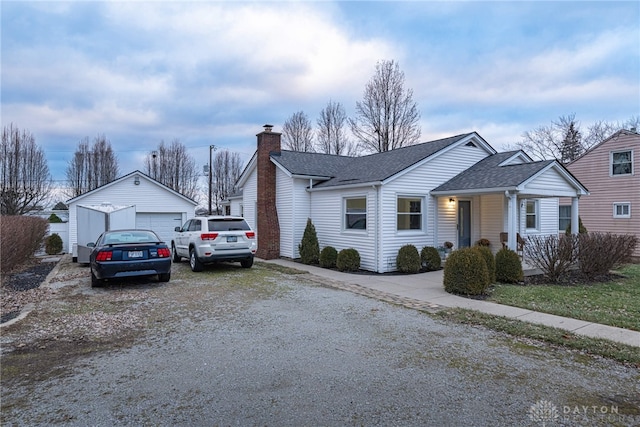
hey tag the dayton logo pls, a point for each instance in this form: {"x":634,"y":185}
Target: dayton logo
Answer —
{"x":543,"y":411}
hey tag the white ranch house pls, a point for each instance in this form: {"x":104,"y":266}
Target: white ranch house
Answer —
{"x":456,"y":189}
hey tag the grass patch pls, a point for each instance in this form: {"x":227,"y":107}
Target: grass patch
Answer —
{"x":595,"y":346}
{"x":613,"y":303}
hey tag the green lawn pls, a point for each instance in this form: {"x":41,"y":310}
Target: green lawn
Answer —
{"x":615,"y":303}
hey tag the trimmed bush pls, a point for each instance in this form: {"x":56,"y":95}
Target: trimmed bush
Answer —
{"x":465,"y":272}
{"x":430,"y":258}
{"x":328,"y":257}
{"x":408,"y":259}
{"x":53,"y":218}
{"x":348,"y":260}
{"x":309,"y":247}
{"x":489,"y":260}
{"x":22,"y":236}
{"x":508,"y":267}
{"x":53,"y":244}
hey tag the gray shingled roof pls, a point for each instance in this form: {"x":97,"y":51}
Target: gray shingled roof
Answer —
{"x":358,"y":170}
{"x":488,"y":174}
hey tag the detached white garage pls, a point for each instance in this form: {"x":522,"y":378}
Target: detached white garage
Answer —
{"x":157,"y":207}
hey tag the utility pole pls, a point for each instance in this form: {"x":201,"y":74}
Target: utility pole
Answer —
{"x":212,"y":148}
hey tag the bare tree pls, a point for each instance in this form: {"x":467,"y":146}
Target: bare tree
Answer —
{"x":227,"y":168}
{"x":331,"y":135}
{"x":563,"y":140}
{"x":91,"y":166}
{"x":26,"y":181}
{"x":174,"y":167}
{"x":387,"y":118}
{"x":297,"y":133}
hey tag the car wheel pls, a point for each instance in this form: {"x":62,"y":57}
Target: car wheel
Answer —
{"x":246,"y":263}
{"x":176,"y":257}
{"x":194,"y":262}
{"x":95,"y":282}
{"x":164,"y":277}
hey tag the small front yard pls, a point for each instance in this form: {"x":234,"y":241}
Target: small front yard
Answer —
{"x":614,"y":303}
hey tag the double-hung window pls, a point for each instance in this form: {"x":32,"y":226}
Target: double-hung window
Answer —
{"x":532,"y":214}
{"x":409,"y":213}
{"x":355,"y":213}
{"x":622,"y":210}
{"x":622,"y":162}
{"x":564,"y":217}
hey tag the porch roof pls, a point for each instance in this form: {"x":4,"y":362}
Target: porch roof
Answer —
{"x":494,"y":173}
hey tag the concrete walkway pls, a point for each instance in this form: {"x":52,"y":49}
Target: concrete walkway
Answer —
{"x":425,"y":291}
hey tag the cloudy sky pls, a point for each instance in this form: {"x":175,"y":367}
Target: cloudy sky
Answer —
{"x":209,"y":72}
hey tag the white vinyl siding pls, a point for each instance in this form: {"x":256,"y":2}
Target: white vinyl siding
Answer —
{"x":285,"y":208}
{"x":250,"y":200}
{"x":327,"y":217}
{"x":492,"y":216}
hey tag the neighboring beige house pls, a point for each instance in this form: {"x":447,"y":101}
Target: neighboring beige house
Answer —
{"x":610,"y":171}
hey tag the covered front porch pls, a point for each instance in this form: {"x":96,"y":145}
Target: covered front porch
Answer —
{"x":505,"y":193}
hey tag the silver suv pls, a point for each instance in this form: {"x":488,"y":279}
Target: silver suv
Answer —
{"x":209,"y":239}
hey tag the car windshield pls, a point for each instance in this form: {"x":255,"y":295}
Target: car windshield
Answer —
{"x":119,"y":237}
{"x":228,"y":224}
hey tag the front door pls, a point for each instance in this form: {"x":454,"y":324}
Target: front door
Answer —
{"x":464,"y":223}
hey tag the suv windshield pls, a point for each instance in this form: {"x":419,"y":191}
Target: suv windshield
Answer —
{"x":228,"y":224}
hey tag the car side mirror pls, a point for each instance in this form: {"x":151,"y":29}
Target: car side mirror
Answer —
{"x":178,"y":229}
{"x":90,"y":245}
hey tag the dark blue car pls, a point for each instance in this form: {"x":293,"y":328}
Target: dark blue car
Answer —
{"x":128,"y":253}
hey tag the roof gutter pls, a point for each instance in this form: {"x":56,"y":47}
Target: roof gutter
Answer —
{"x":346,"y":186}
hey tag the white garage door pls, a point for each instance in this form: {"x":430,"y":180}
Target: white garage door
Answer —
{"x":162,"y":223}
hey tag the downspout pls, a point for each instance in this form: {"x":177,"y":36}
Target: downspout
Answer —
{"x":378,"y":247}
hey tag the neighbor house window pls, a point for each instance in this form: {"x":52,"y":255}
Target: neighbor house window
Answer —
{"x":355,"y":217}
{"x":622,"y":162}
{"x":564,"y":217}
{"x":532,"y":214}
{"x":622,"y":210}
{"x":409,"y":213}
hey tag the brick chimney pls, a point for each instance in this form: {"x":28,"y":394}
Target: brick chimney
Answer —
{"x":267,"y":216}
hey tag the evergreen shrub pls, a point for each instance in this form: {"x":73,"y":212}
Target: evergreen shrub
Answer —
{"x":508,"y":267}
{"x":465,"y":272}
{"x":489,"y":259}
{"x":53,"y":244}
{"x":408,"y":259}
{"x":431,"y":258}
{"x":348,"y":260}
{"x":309,"y":247}
{"x":328,"y":257}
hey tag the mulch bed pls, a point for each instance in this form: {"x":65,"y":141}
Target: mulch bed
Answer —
{"x":29,"y":276}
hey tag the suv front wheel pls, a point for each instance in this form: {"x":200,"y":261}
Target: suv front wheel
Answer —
{"x":194,"y":262}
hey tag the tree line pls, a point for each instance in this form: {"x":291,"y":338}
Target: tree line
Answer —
{"x":385,"y":119}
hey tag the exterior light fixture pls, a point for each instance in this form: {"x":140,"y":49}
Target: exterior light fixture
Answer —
{"x":136,"y":180}
{"x":451,"y":200}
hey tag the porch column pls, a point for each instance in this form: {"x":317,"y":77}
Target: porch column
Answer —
{"x":575,"y":222}
{"x":512,"y":220}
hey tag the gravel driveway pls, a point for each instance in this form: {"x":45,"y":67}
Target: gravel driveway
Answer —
{"x":266,"y":347}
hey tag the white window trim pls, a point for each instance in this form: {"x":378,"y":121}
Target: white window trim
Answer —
{"x":536,"y":203}
{"x":422,"y":213}
{"x":344,"y":213}
{"x":615,"y":213}
{"x":611,"y":153}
